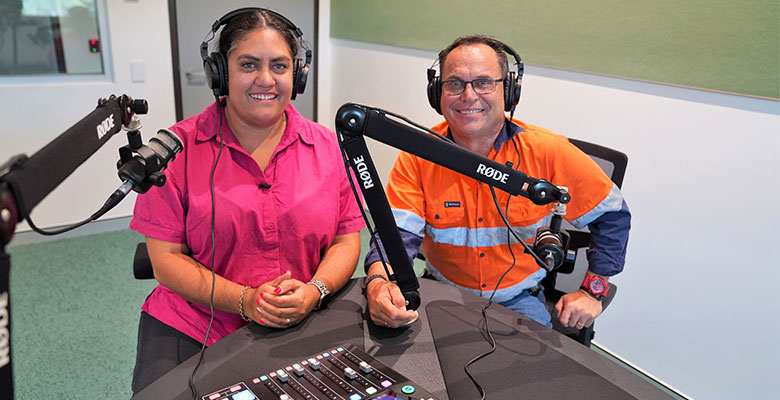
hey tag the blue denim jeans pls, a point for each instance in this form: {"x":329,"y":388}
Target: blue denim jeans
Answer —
{"x":530,"y":306}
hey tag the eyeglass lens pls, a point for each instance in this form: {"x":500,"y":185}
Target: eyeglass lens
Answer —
{"x":481,"y":86}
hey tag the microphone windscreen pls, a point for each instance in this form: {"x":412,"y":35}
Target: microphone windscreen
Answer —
{"x":166,"y":145}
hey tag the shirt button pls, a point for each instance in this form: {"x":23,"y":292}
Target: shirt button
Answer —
{"x":481,"y":254}
{"x":483,"y":285}
{"x":436,"y":216}
{"x":480,"y":219}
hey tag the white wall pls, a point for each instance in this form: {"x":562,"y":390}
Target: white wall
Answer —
{"x":34,"y":111}
{"x":698,"y":301}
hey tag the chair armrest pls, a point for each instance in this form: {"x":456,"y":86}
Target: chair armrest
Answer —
{"x":610,"y":295}
{"x":142,"y":264}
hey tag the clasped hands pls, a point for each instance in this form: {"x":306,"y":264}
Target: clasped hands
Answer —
{"x":280,"y":303}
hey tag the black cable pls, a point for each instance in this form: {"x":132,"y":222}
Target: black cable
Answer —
{"x":491,"y":340}
{"x":488,"y":304}
{"x":112,"y":201}
{"x":528,"y":249}
{"x":372,"y":234}
{"x":213,"y":252}
{"x":58,"y":231}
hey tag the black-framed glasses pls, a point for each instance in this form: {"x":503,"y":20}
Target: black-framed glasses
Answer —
{"x":481,"y":86}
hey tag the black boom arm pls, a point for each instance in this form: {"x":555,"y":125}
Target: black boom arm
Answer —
{"x":353,"y":121}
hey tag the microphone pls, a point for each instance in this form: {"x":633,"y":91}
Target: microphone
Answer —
{"x":549,"y":247}
{"x":551,"y":243}
{"x":143,"y":170}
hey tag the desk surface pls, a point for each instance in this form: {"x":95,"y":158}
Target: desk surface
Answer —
{"x":530,"y":358}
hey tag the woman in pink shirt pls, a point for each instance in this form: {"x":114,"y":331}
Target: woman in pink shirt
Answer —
{"x":285,"y":228}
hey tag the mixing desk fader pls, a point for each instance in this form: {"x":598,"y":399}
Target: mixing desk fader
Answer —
{"x":340,"y":373}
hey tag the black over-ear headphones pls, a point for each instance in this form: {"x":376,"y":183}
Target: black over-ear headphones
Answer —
{"x":215,"y":65}
{"x":512,"y":83}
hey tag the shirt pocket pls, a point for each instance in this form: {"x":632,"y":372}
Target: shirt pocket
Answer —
{"x":523,"y":213}
{"x":443,"y":215}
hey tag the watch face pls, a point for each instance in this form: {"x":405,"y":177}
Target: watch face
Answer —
{"x":596,"y":286}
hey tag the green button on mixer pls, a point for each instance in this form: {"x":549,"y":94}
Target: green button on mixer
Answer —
{"x":408,"y":389}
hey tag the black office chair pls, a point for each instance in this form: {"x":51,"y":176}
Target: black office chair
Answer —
{"x":614,"y":165}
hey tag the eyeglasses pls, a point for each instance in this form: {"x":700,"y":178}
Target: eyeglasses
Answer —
{"x":481,"y":86}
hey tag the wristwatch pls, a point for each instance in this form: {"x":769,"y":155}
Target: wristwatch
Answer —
{"x":595,"y":286}
{"x":324,"y":293}
{"x":364,"y":287}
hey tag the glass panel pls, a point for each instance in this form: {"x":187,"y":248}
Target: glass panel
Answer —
{"x":42,"y":37}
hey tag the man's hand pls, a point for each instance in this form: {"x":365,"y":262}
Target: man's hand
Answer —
{"x":578,"y":309}
{"x":387,"y":305}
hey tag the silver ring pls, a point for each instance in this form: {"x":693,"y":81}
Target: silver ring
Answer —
{"x":580,"y":324}
{"x":288,"y":321}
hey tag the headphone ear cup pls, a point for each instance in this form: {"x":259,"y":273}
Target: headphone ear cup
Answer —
{"x":509,"y":82}
{"x":212,"y":75}
{"x":300,"y":76}
{"x":516,"y":91}
{"x":512,"y":84}
{"x":434,"y":93}
{"x":216,"y":73}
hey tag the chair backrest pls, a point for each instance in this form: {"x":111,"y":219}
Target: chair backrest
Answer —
{"x":613,"y":162}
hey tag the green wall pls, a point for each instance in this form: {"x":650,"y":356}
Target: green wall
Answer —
{"x":724,"y":45}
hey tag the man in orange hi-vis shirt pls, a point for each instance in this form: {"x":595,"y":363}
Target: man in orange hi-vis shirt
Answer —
{"x":454,"y":219}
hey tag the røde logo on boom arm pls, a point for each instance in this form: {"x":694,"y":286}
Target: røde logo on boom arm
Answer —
{"x":105,"y":126}
{"x":493,"y":173}
{"x":362,"y":168}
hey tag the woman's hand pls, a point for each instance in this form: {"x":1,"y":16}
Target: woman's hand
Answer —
{"x":284,"y":302}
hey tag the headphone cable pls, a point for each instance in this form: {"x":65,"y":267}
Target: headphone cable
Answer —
{"x":490,"y":338}
{"x":213,"y":252}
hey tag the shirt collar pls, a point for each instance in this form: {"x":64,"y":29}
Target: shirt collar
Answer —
{"x":209,"y":126}
{"x":507,"y":132}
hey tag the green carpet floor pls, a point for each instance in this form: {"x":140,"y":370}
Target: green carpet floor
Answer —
{"x":75,"y":316}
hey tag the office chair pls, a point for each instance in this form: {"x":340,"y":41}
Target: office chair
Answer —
{"x":614,"y":165}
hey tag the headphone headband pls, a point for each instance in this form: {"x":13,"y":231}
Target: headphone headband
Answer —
{"x":518,"y":61}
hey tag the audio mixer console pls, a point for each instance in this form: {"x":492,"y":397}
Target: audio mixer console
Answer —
{"x":341,"y":373}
